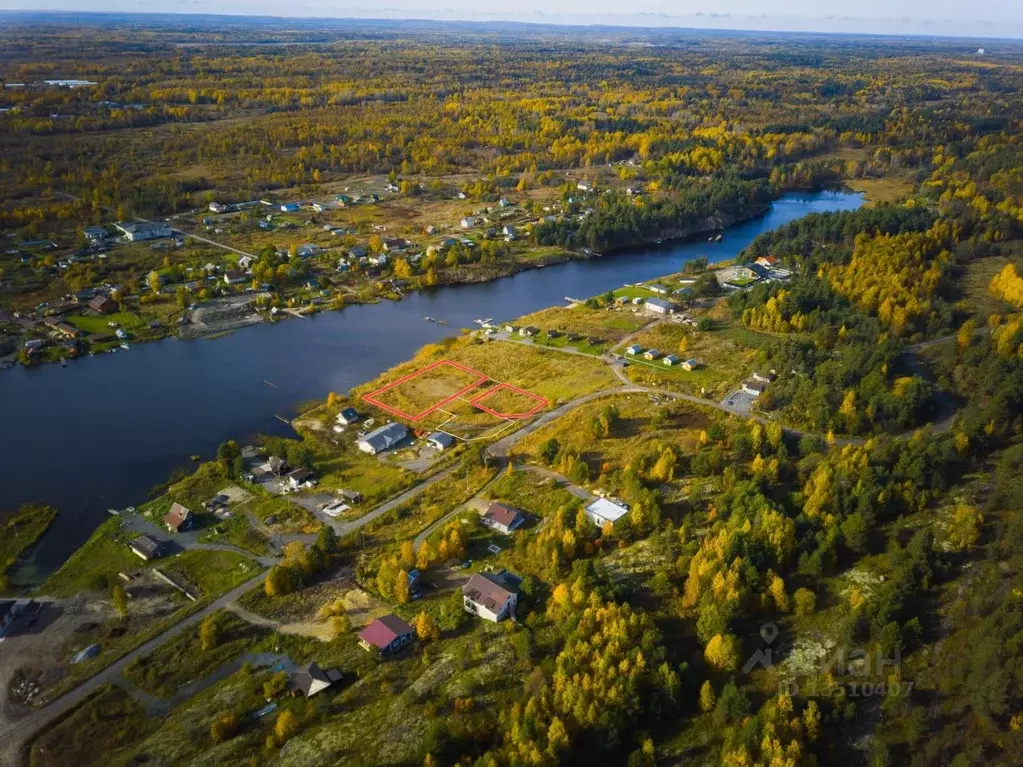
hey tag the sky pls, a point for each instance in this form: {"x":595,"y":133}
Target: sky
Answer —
{"x":981,"y":18}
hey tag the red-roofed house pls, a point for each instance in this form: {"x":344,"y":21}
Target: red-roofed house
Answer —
{"x":767,"y":260}
{"x":503,"y":518}
{"x":386,"y":634}
{"x":178,"y":518}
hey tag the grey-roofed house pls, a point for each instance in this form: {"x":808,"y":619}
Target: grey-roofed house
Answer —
{"x":490,"y":597}
{"x":441,"y":440}
{"x":384,"y":438}
{"x":659,"y":306}
{"x":311,"y":679}
{"x":139,"y":231}
{"x":147,"y":547}
{"x":348,"y":416}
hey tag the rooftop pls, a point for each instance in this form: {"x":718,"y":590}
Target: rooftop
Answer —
{"x":607,"y":510}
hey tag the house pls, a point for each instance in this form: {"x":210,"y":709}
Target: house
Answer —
{"x":277,"y":466}
{"x":343,"y":200}
{"x":384,"y":438}
{"x":234,"y":276}
{"x":95,"y":233}
{"x":594,"y":341}
{"x":61,"y":327}
{"x":508,"y":230}
{"x":311,"y":680}
{"x":658,"y":288}
{"x":491,"y":597}
{"x":634,"y":349}
{"x":753,"y":386}
{"x":573,"y":337}
{"x":351,"y":496}
{"x":764,"y":377}
{"x":529,"y":331}
{"x":582,"y":186}
{"x":440,"y":440}
{"x":670,"y":360}
{"x":503,"y":203}
{"x":121,"y":333}
{"x":103,"y":305}
{"x":139,"y":231}
{"x":767,"y":261}
{"x":513,"y":329}
{"x":147,"y":547}
{"x":307,"y":250}
{"x":386,"y":634}
{"x":502,"y":518}
{"x":358,"y":251}
{"x":603,"y":511}
{"x":651,"y":354}
{"x":348,"y":416}
{"x":218,"y":207}
{"x":178,"y":519}
{"x":289,"y":207}
{"x":301,"y":478}
{"x":659,"y":306}
{"x":468,"y":222}
{"x":245,"y":262}
{"x":552,"y":334}
{"x":396,"y":244}
{"x":691,"y":364}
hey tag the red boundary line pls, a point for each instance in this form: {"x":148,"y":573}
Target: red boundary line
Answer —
{"x":372,"y":396}
{"x":475,"y":401}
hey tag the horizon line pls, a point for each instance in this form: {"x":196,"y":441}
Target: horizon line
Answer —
{"x":608,"y":24}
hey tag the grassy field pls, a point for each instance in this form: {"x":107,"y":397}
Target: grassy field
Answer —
{"x":557,"y":377}
{"x":100,"y":323}
{"x":530,"y":492}
{"x":183,"y":659}
{"x":727,"y":354}
{"x":94,"y":566}
{"x":637,"y":436}
{"x":881,"y":190}
{"x":102,"y":729}
{"x":610,"y":324}
{"x":238,"y":531}
{"x":976,"y":278}
{"x":209,"y":573}
{"x":19,"y":532}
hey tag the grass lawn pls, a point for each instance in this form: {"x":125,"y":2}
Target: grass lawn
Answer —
{"x":102,"y":729}
{"x":238,"y":531}
{"x":92,"y":323}
{"x":19,"y":532}
{"x":530,"y":492}
{"x":94,"y":566}
{"x":183,"y":659}
{"x":209,"y":573}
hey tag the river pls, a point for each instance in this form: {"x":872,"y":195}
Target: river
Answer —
{"x":103,"y":431}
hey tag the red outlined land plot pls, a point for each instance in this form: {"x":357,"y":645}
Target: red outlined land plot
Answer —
{"x":418,"y":380}
{"x":503,"y":390}
{"x":428,"y":390}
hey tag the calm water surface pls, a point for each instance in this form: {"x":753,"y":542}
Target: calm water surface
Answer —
{"x":103,"y":431}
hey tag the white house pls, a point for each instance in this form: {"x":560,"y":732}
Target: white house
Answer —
{"x":602,"y":511}
{"x":502,"y":518}
{"x":217,"y":207}
{"x":659,"y":306}
{"x":634,"y":349}
{"x":245,"y":262}
{"x":384,"y":438}
{"x":490,"y":597}
{"x":468,"y":222}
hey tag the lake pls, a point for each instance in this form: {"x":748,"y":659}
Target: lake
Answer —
{"x":105,"y":430}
